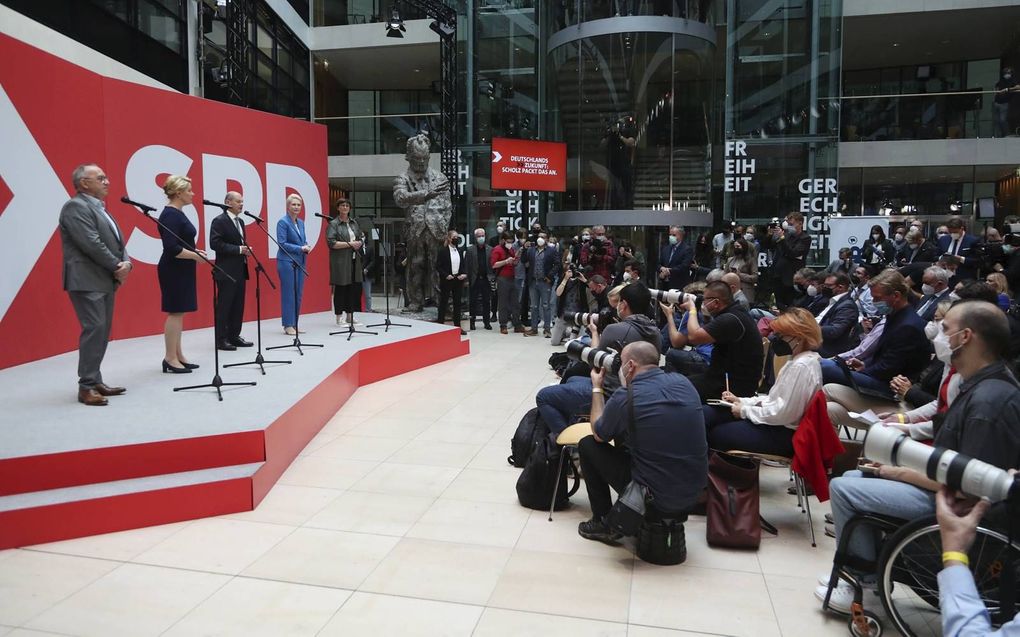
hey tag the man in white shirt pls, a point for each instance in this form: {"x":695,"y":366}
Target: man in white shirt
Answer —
{"x":719,"y":242}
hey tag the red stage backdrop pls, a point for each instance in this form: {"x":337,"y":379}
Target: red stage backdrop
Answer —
{"x":521,"y":164}
{"x":55,"y":115}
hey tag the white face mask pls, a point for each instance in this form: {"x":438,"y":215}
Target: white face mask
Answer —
{"x":955,"y":235}
{"x":876,"y":237}
{"x":585,"y":237}
{"x":899,"y":237}
{"x":927,"y":290}
{"x":812,"y":290}
{"x":626,"y":276}
{"x":540,"y":242}
{"x":943,"y":350}
{"x":623,"y":378}
{"x":932,"y":329}
{"x":509,"y":244}
{"x":748,"y":237}
{"x":787,"y":227}
{"x":500,"y":229}
{"x":480,"y":240}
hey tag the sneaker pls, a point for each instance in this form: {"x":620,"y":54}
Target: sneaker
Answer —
{"x":840,"y":600}
{"x":830,"y":530}
{"x":828,"y":518}
{"x":597,"y":530}
{"x":823,"y":579}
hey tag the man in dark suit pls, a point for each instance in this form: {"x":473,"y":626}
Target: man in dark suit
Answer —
{"x":790,"y":245}
{"x":226,"y":237}
{"x":480,"y":278}
{"x":959,"y":245}
{"x":916,"y":249}
{"x":675,"y":261}
{"x":95,"y":265}
{"x":935,"y":286}
{"x":839,"y":318}
{"x":452,"y":269}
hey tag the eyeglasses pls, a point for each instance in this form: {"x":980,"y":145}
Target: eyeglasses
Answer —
{"x":99,"y":178}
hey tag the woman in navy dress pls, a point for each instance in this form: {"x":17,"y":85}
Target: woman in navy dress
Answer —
{"x":176,"y":270}
{"x":290,"y":233}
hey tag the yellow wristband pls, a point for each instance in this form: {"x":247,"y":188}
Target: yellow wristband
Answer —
{"x":956,"y":556}
{"x":597,"y":390}
{"x":902,"y":419}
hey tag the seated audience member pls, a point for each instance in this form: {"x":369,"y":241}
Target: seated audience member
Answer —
{"x":981,"y":291}
{"x":844,"y":263}
{"x":981,"y":423}
{"x":559,"y":404}
{"x":733,"y":280}
{"x":902,"y":348}
{"x":765,"y":424}
{"x":685,"y":359}
{"x":806,"y":283}
{"x":861,"y":291}
{"x":916,"y":249}
{"x":667,"y":453}
{"x":998,"y":282}
{"x":737,"y":353}
{"x":935,"y":289}
{"x":838,"y":320}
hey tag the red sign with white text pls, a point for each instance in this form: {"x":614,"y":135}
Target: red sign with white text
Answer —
{"x":520,"y":164}
{"x":138,"y":135}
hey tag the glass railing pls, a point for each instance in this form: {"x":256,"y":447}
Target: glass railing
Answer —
{"x":948,"y":115}
{"x":329,"y":13}
{"x":570,"y":12}
{"x":375,"y":134}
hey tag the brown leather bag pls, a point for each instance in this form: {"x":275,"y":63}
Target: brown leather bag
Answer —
{"x":732,"y":503}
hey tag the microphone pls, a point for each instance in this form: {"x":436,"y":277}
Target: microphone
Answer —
{"x":144,"y":208}
{"x":218,"y":205}
{"x":323,"y":217}
{"x":248,"y":214}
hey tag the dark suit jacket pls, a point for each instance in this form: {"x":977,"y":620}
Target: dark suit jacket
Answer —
{"x":225,"y":239}
{"x":968,"y":269}
{"x":91,"y":247}
{"x":444,"y":266}
{"x":678,"y":259}
{"x":927,"y":253}
{"x":929,"y":312}
{"x":788,"y":255}
{"x":902,"y":349}
{"x":550,"y":262}
{"x":472,"y":263}
{"x":838,"y":328}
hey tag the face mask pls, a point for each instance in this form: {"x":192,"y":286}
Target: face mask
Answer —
{"x":781,"y":348}
{"x":899,"y":237}
{"x":882,"y":308}
{"x":480,"y":240}
{"x":500,"y":229}
{"x":672,"y":240}
{"x":953,"y":296}
{"x":553,"y":244}
{"x":749,"y":237}
{"x":585,"y":237}
{"x":738,"y":251}
{"x":828,"y":292}
{"x":943,"y":350}
{"x":1007,"y":76}
{"x":540,"y":242}
{"x":623,"y":378}
{"x":931,"y":330}
{"x":876,"y":237}
{"x":927,"y":290}
{"x":509,"y":244}
{"x":627,"y":277}
{"x":457,"y":241}
{"x":812,"y":290}
{"x":955,"y":235}
{"x":786,"y":226}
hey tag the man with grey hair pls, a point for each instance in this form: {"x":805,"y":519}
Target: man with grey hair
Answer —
{"x":675,"y":261}
{"x":935,"y":287}
{"x":226,"y":237}
{"x":95,"y":265}
{"x":480,"y":278}
{"x":916,"y":249}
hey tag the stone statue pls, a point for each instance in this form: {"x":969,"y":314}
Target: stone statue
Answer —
{"x":424,"y":194}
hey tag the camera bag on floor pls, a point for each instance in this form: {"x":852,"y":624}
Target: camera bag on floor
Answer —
{"x":732,"y":504}
{"x":662,"y":541}
{"x":538,"y":480}
{"x":529,"y":430}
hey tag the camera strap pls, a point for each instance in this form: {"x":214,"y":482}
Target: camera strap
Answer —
{"x":1007,"y":581}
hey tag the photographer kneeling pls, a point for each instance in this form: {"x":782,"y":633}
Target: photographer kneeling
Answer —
{"x":667,"y":455}
{"x":559,"y":404}
{"x":983,"y":423}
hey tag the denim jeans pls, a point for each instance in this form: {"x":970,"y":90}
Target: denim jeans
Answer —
{"x":540,"y":308}
{"x":831,"y":373}
{"x":558,"y":404}
{"x":366,"y":287}
{"x":853,"y":493}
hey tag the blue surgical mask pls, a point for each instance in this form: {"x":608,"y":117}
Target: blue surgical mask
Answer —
{"x":672,"y":239}
{"x":882,"y":308}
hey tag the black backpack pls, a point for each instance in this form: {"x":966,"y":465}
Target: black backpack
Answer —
{"x":530,"y":429}
{"x":537,"y":482}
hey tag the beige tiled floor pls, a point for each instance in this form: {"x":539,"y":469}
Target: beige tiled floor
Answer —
{"x":400,"y":518}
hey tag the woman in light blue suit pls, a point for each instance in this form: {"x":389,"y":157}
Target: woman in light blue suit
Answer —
{"x":290,"y":233}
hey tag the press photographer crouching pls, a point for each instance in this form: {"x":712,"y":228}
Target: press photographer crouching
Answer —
{"x":559,"y":404}
{"x":659,"y":435}
{"x":983,"y":423}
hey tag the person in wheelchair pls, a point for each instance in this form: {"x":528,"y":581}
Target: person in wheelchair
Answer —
{"x":983,"y":422}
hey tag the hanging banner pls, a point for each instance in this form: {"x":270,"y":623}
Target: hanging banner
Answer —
{"x":520,"y":164}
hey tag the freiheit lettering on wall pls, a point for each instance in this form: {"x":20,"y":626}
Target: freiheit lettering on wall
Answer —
{"x":738,"y":167}
{"x":520,"y":164}
{"x":138,"y":135}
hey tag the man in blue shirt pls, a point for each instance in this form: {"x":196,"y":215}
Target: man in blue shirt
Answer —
{"x":668,"y":453}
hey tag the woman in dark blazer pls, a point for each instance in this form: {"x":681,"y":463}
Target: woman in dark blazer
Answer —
{"x":176,"y":270}
{"x":290,"y":234}
{"x":345,"y":239}
{"x":878,"y":249}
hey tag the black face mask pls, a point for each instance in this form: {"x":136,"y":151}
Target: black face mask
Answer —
{"x":457,"y":241}
{"x":827,"y":292}
{"x":781,"y":348}
{"x":738,"y":252}
{"x":799,"y":288}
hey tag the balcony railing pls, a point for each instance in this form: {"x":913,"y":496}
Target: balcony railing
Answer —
{"x":375,"y":134}
{"x":947,"y":115}
{"x":327,"y":13}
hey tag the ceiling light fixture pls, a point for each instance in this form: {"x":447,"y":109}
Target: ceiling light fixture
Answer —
{"x":395,"y":25}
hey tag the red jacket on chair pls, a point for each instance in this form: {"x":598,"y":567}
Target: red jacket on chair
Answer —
{"x":815,"y":444}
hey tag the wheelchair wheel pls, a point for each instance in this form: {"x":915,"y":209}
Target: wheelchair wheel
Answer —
{"x":872,"y":626}
{"x":908,"y":574}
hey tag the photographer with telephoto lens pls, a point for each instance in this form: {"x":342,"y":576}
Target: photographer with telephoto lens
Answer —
{"x":983,"y":423}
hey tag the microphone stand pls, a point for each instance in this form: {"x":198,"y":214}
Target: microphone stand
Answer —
{"x":259,"y":360}
{"x":217,"y":382}
{"x":386,"y":267}
{"x":297,"y":333}
{"x":350,"y":331}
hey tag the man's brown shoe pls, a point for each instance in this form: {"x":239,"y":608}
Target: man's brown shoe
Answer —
{"x":531,"y":333}
{"x":502,"y":330}
{"x":106,"y":390}
{"x":91,"y":398}
{"x":520,"y":330}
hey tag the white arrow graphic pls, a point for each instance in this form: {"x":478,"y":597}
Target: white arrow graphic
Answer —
{"x":496,"y":157}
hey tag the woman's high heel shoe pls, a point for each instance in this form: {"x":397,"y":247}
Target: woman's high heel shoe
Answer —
{"x":190,"y":365}
{"x":170,"y":369}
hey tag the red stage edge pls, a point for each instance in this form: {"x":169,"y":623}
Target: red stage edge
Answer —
{"x":280,"y":444}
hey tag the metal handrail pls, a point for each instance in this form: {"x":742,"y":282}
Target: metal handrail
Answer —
{"x":378,"y":116}
{"x":862,"y":97}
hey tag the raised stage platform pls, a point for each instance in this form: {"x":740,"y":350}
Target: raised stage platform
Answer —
{"x":154,"y":456}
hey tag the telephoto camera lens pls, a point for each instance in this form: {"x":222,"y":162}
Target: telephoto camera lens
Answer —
{"x":580,"y":319}
{"x":596,"y":358}
{"x":945,"y":466}
{"x":671,"y":297}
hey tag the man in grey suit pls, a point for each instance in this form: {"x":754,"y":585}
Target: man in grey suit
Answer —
{"x":95,"y":265}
